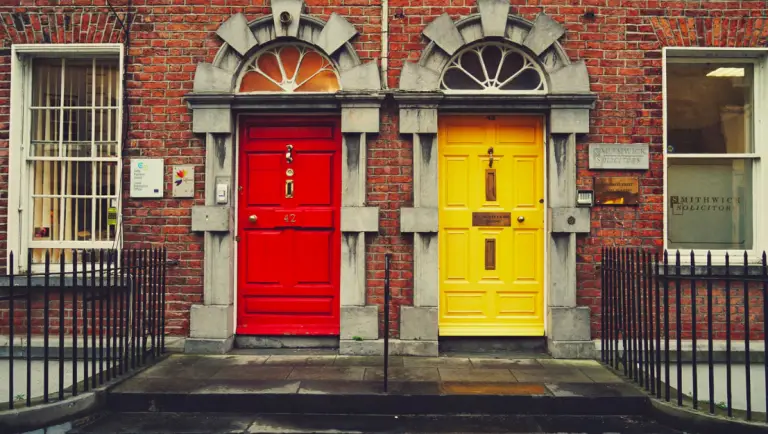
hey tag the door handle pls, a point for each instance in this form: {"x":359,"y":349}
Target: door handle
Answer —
{"x":520,"y":218}
{"x":252,"y":218}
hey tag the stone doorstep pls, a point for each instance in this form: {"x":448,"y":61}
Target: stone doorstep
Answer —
{"x":368,"y":397}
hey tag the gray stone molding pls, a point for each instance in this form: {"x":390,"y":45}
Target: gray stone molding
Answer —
{"x":236,"y":33}
{"x":215,"y":102}
{"x":567,"y":104}
{"x":210,"y":219}
{"x":493,"y":17}
{"x":443,"y":32}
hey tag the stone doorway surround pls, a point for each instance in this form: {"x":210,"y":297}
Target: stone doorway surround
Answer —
{"x":567,"y":107}
{"x":216,"y":105}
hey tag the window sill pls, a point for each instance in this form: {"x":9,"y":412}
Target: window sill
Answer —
{"x":719,"y":270}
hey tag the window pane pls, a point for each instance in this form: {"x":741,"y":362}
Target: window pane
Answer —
{"x":77,"y":209}
{"x":74,"y":114}
{"x":709,"y":108}
{"x":709,"y":203}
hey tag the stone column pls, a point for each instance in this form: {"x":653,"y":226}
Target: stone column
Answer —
{"x":418,"y":323}
{"x":212,"y":323}
{"x":359,"y":333}
{"x":568,"y":327}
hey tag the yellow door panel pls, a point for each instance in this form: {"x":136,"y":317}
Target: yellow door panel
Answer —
{"x":491,"y":277}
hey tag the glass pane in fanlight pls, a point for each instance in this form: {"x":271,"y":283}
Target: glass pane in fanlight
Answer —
{"x":492,"y":58}
{"x":456,"y":79}
{"x":255,"y":82}
{"x":289,"y":56}
{"x":470,"y":61}
{"x":324,"y":81}
{"x":709,"y":204}
{"x":267,"y":63}
{"x":310,"y":64}
{"x":513,"y":62}
{"x":527,"y":80}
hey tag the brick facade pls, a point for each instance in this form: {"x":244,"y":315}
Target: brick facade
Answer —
{"x":621,"y":44}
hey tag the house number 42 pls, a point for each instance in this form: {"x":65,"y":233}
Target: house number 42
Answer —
{"x":290,"y":218}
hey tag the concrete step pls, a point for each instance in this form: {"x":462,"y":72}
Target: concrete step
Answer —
{"x":173,"y":423}
{"x":367,"y":397}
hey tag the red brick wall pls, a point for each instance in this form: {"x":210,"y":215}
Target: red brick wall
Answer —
{"x":621,"y":46}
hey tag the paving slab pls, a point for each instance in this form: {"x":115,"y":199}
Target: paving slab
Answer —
{"x":482,"y":375}
{"x":568,"y":363}
{"x":301,"y":360}
{"x":253,"y":372}
{"x":480,"y":362}
{"x":403,"y":374}
{"x":352,"y":373}
{"x":241,"y":387}
{"x":367,"y":361}
{"x":340,"y":387}
{"x":448,"y":362}
{"x":593,"y":390}
{"x":601,"y":375}
{"x":159,"y":385}
{"x":478,"y":388}
{"x":550,"y":376}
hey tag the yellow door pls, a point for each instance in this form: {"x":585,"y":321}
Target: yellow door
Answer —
{"x":491,"y":226}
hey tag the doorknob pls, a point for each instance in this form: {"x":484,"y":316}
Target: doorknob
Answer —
{"x":520,"y":219}
{"x":252,"y":218}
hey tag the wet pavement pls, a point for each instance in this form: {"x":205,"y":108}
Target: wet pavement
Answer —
{"x":168,"y":423}
{"x":184,"y":372}
{"x":330,"y":393}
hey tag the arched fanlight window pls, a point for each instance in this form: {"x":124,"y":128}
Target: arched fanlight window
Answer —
{"x":492,"y":68}
{"x":291,"y":67}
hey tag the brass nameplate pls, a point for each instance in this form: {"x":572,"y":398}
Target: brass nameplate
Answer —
{"x":490,"y":254}
{"x":491,"y":219}
{"x":490,"y":184}
{"x":617,"y":190}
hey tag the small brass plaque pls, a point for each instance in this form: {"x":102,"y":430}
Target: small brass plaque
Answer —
{"x":617,"y":190}
{"x":490,"y":184}
{"x":491,"y":219}
{"x":490,"y":254}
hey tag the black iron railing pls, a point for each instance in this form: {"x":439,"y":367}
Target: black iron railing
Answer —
{"x":81,"y":323}
{"x":669,"y":323}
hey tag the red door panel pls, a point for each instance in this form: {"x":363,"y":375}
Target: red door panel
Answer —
{"x":289,"y":249}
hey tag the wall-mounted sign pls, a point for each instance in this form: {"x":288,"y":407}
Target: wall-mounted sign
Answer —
{"x":183,"y":181}
{"x":623,"y":190}
{"x":147,"y":177}
{"x":491,"y":219}
{"x":629,"y":157}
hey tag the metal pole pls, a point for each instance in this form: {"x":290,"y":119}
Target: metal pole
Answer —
{"x":387,"y":258}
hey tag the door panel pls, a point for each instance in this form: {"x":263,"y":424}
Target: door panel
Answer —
{"x":288,"y":223}
{"x":491,"y":277}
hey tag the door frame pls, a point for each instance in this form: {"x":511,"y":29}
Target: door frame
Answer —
{"x":545,"y":238}
{"x":359,"y":120}
{"x":240,"y":120}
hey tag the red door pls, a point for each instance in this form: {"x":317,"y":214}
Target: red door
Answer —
{"x":288,"y":223}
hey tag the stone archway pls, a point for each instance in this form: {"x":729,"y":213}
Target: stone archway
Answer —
{"x":566,"y":104}
{"x":215,"y":103}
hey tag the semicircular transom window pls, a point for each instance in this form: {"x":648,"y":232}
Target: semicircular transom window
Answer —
{"x":493,"y":68}
{"x":290,"y":68}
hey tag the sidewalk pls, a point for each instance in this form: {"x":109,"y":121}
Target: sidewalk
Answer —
{"x":354,"y":385}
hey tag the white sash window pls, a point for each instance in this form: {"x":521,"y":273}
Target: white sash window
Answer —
{"x":66,"y":111}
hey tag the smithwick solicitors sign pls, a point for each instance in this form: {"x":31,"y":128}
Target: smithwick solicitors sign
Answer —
{"x":628,"y":157}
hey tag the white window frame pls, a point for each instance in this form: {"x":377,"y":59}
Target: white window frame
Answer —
{"x":19,"y":235}
{"x":759,"y":58}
